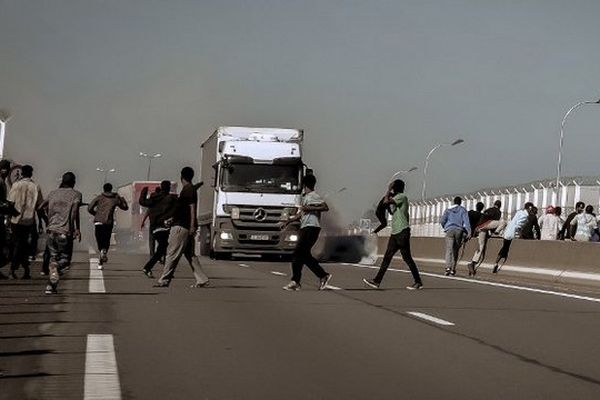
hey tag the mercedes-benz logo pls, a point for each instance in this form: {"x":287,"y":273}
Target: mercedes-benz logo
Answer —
{"x":260,"y":214}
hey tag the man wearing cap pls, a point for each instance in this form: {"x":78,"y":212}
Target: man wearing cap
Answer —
{"x":550,"y":224}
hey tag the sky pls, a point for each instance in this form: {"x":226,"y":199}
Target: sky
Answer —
{"x":374,"y":84}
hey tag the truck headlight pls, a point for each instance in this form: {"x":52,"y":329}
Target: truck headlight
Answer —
{"x":226,"y":236}
{"x":292,"y":238}
{"x":235,"y":213}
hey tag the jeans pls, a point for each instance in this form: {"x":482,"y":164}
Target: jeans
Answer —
{"x":454,"y":239}
{"x":307,"y":238}
{"x":181,"y":243}
{"x":399,"y":241}
{"x":103,"y":235}
{"x":162,"y":237}
{"x":58,"y":247}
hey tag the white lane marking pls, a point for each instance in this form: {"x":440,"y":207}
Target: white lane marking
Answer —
{"x":431,"y":318}
{"x":278,"y":273}
{"x":488,"y":283}
{"x":101,"y":381}
{"x":333,"y":287}
{"x":91,"y":250}
{"x":96,"y":277}
{"x":244,"y":265}
{"x":555,"y":273}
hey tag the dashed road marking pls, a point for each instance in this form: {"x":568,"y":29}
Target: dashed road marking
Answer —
{"x":331,"y":287}
{"x":244,"y":265}
{"x":430,"y":318}
{"x":278,"y":273}
{"x":96,"y":277}
{"x":101,"y":381}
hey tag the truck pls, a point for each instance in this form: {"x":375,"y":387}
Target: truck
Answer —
{"x":128,"y":224}
{"x":252,"y":187}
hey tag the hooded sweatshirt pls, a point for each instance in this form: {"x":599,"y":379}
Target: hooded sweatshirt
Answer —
{"x":103,"y":207}
{"x":456,"y":217}
{"x":585,"y":224}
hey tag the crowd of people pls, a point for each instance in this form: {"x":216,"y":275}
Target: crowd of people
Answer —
{"x":461,"y":225}
{"x":26,"y":214}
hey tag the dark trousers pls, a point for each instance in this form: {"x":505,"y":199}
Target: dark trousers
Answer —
{"x":22,"y":244}
{"x":399,"y":241}
{"x":302,"y":256}
{"x":4,"y":250}
{"x":162,"y":238}
{"x":103,"y":235}
{"x":152,"y":240}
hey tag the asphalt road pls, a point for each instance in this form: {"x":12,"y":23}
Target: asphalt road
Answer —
{"x":245,"y":338}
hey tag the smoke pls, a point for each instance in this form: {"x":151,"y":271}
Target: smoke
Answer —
{"x":338,"y":244}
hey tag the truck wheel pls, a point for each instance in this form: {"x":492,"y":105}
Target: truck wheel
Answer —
{"x":205,"y":240}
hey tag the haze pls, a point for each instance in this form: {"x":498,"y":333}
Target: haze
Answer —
{"x":375,"y":84}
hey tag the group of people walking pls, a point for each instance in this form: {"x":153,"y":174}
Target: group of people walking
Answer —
{"x":460,"y":225}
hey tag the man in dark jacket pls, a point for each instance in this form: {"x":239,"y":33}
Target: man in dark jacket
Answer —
{"x":475,"y":215}
{"x":103,"y":209}
{"x":160,"y":206}
{"x":568,"y":231}
{"x":531,"y":228}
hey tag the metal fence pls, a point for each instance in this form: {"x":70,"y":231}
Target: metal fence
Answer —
{"x":425,"y":216}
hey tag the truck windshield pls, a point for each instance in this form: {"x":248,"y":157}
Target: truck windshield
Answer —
{"x":261,"y":178}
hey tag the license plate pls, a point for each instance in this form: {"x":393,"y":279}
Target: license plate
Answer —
{"x":259,"y":237}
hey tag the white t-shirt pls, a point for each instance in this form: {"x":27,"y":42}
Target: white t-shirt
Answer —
{"x":311,"y":218}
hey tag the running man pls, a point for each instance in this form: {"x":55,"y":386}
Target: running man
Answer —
{"x":62,"y":209}
{"x":399,"y":240}
{"x":511,"y":231}
{"x":103,"y":209}
{"x":160,"y":205}
{"x":457,"y":227}
{"x":184,"y":224}
{"x":310,"y":227}
{"x":490,"y":222}
{"x":27,"y":198}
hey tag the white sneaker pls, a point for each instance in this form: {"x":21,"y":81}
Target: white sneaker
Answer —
{"x":292,"y":286}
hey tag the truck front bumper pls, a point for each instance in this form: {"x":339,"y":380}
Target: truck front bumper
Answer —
{"x":230,"y":239}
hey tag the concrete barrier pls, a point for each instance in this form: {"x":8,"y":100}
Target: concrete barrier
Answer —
{"x":556,"y":261}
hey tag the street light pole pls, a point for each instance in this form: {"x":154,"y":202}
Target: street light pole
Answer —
{"x":424,"y":191}
{"x":149,"y":157}
{"x":562,"y":137}
{"x":4,"y":118}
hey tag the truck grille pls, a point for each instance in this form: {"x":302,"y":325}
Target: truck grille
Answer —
{"x":264,"y":218}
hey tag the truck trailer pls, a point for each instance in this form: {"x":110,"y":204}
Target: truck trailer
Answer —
{"x":252,"y":186}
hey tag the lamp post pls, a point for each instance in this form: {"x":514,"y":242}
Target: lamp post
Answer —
{"x":562,"y":137}
{"x":106,"y":171}
{"x":4,"y":118}
{"x":149,"y":157}
{"x":424,"y":191}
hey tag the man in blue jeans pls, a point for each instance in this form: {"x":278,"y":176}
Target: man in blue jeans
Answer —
{"x":62,"y":208}
{"x":455,"y":222}
{"x":399,"y":240}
